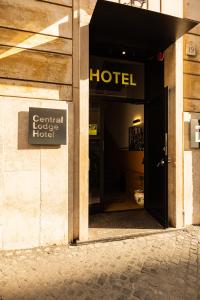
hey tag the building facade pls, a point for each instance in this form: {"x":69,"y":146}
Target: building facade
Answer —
{"x":44,"y":63}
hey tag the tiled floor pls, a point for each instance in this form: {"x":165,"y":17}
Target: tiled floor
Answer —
{"x":119,"y":202}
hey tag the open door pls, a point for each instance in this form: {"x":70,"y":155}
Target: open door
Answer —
{"x":156,"y":158}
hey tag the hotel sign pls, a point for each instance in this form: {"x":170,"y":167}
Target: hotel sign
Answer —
{"x":118,"y":78}
{"x":47,"y":126}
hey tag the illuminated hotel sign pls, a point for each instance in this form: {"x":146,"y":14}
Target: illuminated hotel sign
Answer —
{"x":47,"y":126}
{"x":121,"y":79}
{"x":108,"y":76}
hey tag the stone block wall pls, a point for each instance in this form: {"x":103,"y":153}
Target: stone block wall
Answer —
{"x":35,"y":70}
{"x":191,"y":105}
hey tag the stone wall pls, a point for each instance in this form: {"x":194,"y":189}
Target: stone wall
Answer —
{"x":191,"y":104}
{"x":35,"y":70}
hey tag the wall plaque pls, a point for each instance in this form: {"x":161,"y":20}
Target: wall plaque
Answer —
{"x":47,"y":126}
{"x":195,"y":130}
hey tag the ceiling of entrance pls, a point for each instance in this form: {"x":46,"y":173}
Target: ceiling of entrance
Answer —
{"x":142,"y":31}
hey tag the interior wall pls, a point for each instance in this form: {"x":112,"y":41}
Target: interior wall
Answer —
{"x":123,"y":115}
{"x":118,"y":119}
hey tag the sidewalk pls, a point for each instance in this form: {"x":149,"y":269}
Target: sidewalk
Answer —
{"x":161,"y":266}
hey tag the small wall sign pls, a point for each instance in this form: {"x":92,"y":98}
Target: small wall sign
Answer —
{"x":195,"y":133}
{"x":47,"y":126}
{"x":92,"y":129}
{"x":190,"y":49}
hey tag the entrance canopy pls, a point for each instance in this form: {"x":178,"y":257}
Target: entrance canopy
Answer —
{"x":145,"y":31}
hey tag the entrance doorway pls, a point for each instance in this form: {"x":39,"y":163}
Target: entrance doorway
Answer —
{"x":128,"y":150}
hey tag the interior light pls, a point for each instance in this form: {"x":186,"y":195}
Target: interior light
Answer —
{"x":136,"y":121}
{"x":123,"y":52}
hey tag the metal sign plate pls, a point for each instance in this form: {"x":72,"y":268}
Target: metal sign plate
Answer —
{"x":47,"y":126}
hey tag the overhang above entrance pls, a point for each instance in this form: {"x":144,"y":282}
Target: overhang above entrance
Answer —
{"x":126,"y":26}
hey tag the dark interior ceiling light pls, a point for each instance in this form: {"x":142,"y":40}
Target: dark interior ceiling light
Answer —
{"x":136,"y":121}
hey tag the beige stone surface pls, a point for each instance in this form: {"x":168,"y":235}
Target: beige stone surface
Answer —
{"x":54,"y":189}
{"x":33,"y":180}
{"x":76,"y":45}
{"x":71,"y":159}
{"x":192,"y":105}
{"x":186,"y":134}
{"x":18,"y":154}
{"x":62,"y":2}
{"x":188,"y":188}
{"x":192,"y":189}
{"x":191,"y":67}
{"x":171,"y":7}
{"x":174,"y":81}
{"x":1,"y":176}
{"x":191,"y":174}
{"x":156,"y":267}
{"x":154,"y":5}
{"x":33,"y":65}
{"x":76,"y":204}
{"x":21,"y":209}
{"x":37,"y":90}
{"x":191,"y":86}
{"x":195,"y":186}
{"x":28,"y":40}
{"x":36,"y":16}
{"x":170,"y":82}
{"x":196,"y":29}
{"x":192,"y":9}
{"x":20,"y":177}
{"x":195,"y":41}
{"x":84,"y":134}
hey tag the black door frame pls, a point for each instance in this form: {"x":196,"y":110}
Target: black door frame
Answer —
{"x":154,"y":87}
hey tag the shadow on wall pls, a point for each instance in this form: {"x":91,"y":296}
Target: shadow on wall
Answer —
{"x":37,"y":65}
{"x":23,"y":120}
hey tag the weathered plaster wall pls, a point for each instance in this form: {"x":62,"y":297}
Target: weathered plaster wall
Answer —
{"x":191,"y":104}
{"x":35,"y":70}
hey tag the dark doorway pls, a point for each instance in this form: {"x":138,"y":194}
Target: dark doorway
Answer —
{"x":128,"y":148}
{"x":156,"y":158}
{"x":116,"y":156}
{"x":123,"y":156}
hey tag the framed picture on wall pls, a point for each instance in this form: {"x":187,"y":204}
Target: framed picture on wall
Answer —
{"x":136,"y":138}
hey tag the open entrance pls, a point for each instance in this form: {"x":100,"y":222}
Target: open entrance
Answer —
{"x":128,"y":143}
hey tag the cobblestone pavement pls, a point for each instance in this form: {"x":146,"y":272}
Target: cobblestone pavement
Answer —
{"x":161,"y":266}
